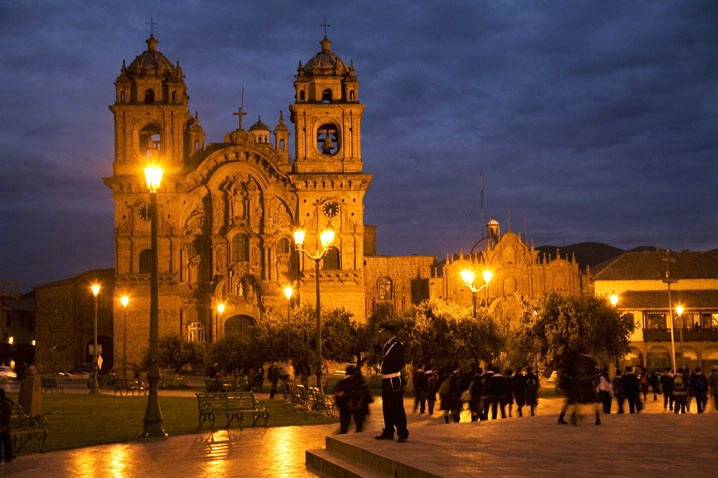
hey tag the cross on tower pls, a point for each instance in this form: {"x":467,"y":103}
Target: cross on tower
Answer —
{"x":325,"y":25}
{"x":240,"y":112}
{"x":152,"y":24}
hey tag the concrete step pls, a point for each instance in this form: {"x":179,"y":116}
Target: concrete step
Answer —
{"x":342,"y":459}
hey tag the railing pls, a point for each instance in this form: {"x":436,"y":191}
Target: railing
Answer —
{"x":689,"y":335}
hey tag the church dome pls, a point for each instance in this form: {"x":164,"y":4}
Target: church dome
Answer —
{"x":151,"y":62}
{"x":259,"y":126}
{"x":325,"y":62}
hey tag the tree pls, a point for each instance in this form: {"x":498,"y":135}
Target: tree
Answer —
{"x":175,"y":352}
{"x":561,"y":325}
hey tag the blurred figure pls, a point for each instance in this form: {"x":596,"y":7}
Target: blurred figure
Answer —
{"x":699,"y":385}
{"x":666,"y":382}
{"x":352,"y":397}
{"x":420,"y":389}
{"x":631,"y":388}
{"x":432,"y":384}
{"x":579,"y":380}
{"x":680,"y":392}
{"x":518,"y":388}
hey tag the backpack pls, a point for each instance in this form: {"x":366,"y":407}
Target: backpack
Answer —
{"x":431,"y":380}
{"x":701,"y":383}
{"x":531,"y":383}
{"x":678,"y":385}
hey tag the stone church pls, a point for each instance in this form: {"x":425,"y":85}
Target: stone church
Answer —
{"x":226,"y":216}
{"x":227,"y":211}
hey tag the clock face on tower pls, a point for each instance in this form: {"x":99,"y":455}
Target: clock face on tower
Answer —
{"x":144,"y":212}
{"x":330,"y":209}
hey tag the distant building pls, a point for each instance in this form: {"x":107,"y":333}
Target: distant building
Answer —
{"x":641,"y":281}
{"x":17,"y":323}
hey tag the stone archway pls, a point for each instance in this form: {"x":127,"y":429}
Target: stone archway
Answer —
{"x":239,"y":325}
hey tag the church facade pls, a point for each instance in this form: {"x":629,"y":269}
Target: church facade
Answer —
{"x":227,"y":211}
{"x":226,"y":214}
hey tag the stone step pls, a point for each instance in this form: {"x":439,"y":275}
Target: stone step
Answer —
{"x":341,"y":459}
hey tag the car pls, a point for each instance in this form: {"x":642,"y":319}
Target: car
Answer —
{"x":7,"y":373}
{"x":81,"y":372}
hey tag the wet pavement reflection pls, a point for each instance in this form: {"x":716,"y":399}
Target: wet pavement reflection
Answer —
{"x":252,"y":452}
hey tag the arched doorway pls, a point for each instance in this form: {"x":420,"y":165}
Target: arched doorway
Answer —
{"x":239,"y":325}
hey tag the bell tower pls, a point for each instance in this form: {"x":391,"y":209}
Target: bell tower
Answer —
{"x":327,"y":173}
{"x":151,"y":113}
{"x":327,"y":115}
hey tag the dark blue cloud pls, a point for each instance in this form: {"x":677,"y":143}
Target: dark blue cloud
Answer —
{"x":594,"y":120}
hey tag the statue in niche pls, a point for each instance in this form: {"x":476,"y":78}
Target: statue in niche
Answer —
{"x":255,"y":205}
{"x":221,"y":257}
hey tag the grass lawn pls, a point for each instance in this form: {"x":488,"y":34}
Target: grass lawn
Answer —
{"x":78,"y":420}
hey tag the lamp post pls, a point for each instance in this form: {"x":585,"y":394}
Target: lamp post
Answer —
{"x":124,"y":300}
{"x":668,"y":280}
{"x":288,"y":291}
{"x":94,"y":385}
{"x":679,"y":311}
{"x":326,"y":239}
{"x":152,"y":425}
{"x":468,"y":276}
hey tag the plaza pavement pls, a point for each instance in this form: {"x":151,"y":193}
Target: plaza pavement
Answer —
{"x":654,"y":443}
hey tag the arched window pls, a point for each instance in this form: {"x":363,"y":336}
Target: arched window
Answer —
{"x":240,"y":248}
{"x":385,"y":288}
{"x":122,"y":97}
{"x":150,"y":139}
{"x":146,"y":261}
{"x":149,"y":96}
{"x":284,"y":247}
{"x":351,"y":95}
{"x":332,"y":259}
{"x":327,"y":96}
{"x":240,"y":325}
{"x":301,"y":95}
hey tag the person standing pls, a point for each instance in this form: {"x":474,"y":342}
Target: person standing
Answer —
{"x":5,"y":437}
{"x":713,"y":383}
{"x":392,"y":385}
{"x":518,"y":387}
{"x":352,"y":397}
{"x":273,"y":376}
{"x":420,"y":389}
{"x":604,"y":391}
{"x":532,"y":389}
{"x":618,"y":391}
{"x":699,"y":385}
{"x":680,"y":392}
{"x":431,"y":386}
{"x":631,"y":389}
{"x":666,"y":381}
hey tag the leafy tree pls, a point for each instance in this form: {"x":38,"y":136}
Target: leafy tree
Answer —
{"x":175,"y":352}
{"x":567,"y":324}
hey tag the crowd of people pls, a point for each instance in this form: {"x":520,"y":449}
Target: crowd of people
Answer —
{"x":488,"y":393}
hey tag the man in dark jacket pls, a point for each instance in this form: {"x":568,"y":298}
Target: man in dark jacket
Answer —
{"x":631,"y":388}
{"x":392,"y":385}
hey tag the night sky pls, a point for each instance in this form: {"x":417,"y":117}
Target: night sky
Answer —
{"x":591,"y":121}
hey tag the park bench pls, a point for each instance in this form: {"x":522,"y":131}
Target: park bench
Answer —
{"x":24,"y":428}
{"x":233,"y":405}
{"x":129,"y":386}
{"x":50,"y":385}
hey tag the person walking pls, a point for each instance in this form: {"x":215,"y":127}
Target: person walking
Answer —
{"x":518,"y":388}
{"x":392,"y":385}
{"x":420,"y":389}
{"x":618,"y":391}
{"x":631,"y":388}
{"x":699,"y":385}
{"x":432,"y":384}
{"x":532,"y":390}
{"x":666,"y":381}
{"x":352,"y":397}
{"x":680,"y":392}
{"x":6,"y":451}
{"x":604,"y":391}
{"x":273,"y":376}
{"x":713,"y":384}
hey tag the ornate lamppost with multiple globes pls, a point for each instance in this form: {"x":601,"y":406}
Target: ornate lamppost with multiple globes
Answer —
{"x":468,"y":276}
{"x":94,"y":384}
{"x":152,"y":425}
{"x":326,"y":239}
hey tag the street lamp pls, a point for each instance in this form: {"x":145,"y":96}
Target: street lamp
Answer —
{"x":152,"y":423}
{"x":94,"y":385}
{"x":468,"y":276}
{"x":220,"y":311}
{"x":326,"y":239}
{"x":288,"y":291}
{"x":613,"y":298}
{"x":124,"y":300}
{"x":679,"y":311}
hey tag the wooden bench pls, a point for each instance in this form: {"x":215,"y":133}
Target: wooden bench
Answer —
{"x":24,"y":428}
{"x":130,"y":386}
{"x":233,"y":405}
{"x":50,"y":385}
